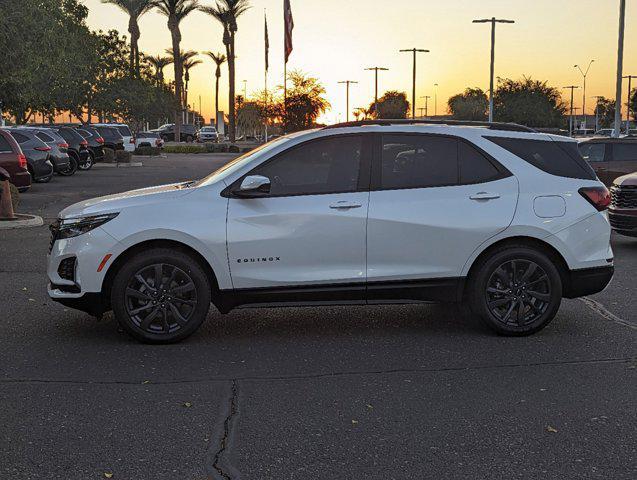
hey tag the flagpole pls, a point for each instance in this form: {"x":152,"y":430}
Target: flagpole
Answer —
{"x":265,"y":74}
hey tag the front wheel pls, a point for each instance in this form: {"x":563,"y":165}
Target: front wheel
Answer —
{"x":71,"y":169}
{"x":88,"y":164}
{"x":517,"y":291}
{"x":161,"y":296}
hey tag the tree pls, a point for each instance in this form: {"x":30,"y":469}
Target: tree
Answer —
{"x":633,"y":104}
{"x":134,"y":9}
{"x":472,"y":104}
{"x":392,"y":105}
{"x":250,"y":117}
{"x":175,"y":11}
{"x":529,"y":102}
{"x":159,"y":63}
{"x":305,"y":103}
{"x":227,"y":12}
{"x":219,"y":59}
{"x":188,"y":62}
{"x":605,"y":109}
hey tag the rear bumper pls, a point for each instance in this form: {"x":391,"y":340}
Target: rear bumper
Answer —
{"x":21,"y":180}
{"x":588,"y":281}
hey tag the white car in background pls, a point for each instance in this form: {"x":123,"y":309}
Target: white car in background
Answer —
{"x":494,"y":215}
{"x":125,"y":132}
{"x":207,"y":134}
{"x":148,"y":139}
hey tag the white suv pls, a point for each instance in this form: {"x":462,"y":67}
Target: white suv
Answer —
{"x":507,"y":220}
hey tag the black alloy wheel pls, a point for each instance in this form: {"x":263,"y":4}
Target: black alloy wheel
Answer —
{"x":88,"y":164}
{"x":71,"y":169}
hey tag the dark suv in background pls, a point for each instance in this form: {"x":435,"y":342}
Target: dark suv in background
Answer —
{"x":167,"y":132}
{"x":610,"y":157}
{"x":112,"y":138}
{"x":37,"y":153}
{"x":95,"y":142}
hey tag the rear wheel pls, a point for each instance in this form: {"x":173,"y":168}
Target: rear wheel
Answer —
{"x":161,"y":296}
{"x":517,"y":291}
{"x":72,"y":168}
{"x":88,"y":164}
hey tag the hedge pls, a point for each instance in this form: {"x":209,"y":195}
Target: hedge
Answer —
{"x":148,"y":151}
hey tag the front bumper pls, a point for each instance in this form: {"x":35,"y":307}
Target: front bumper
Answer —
{"x":624,"y":222}
{"x":587,"y":281}
{"x":91,"y":303}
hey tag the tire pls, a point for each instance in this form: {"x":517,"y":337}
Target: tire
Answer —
{"x":89,"y":163}
{"x":516,"y":305}
{"x":72,"y":168}
{"x":185,"y":303}
{"x":46,"y":179}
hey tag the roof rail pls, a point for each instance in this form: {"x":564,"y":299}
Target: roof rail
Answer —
{"x":508,"y":127}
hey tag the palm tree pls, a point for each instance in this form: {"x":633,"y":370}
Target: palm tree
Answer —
{"x":187,"y":61}
{"x":227,"y":12}
{"x":219,"y":59}
{"x":159,"y":63}
{"x":175,"y":11}
{"x":134,"y":9}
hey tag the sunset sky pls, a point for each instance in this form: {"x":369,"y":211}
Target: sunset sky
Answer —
{"x":336,"y":39}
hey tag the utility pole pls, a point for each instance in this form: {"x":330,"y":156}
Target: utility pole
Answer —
{"x":426,"y":97}
{"x":598,"y":98}
{"x":415,"y":51}
{"x":421,"y":110}
{"x":492,"y":21}
{"x":584,"y":74}
{"x":347,"y":84}
{"x":435,"y":99}
{"x":376,"y":70}
{"x":245,"y":90}
{"x":620,"y":68}
{"x":570,"y":123}
{"x":630,"y":86}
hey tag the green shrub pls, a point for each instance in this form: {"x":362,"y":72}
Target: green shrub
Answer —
{"x":148,"y":151}
{"x":122,"y":156}
{"x":109,"y":155}
{"x":15,"y":196}
{"x":185,"y":149}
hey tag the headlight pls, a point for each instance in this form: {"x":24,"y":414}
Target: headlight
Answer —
{"x":72,"y":227}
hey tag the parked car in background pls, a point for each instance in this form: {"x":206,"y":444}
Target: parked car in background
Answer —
{"x":207,"y":134}
{"x":95,"y":141}
{"x":623,"y":207}
{"x":59,"y":149}
{"x":610,"y":157}
{"x":37,"y":153}
{"x":605,"y":132}
{"x":125,"y":131}
{"x":78,"y":147}
{"x":14,"y":161}
{"x":167,"y":132}
{"x":148,"y":139}
{"x":112,"y":138}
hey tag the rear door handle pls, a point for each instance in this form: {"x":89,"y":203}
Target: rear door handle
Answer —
{"x":343,"y":205}
{"x":484,"y":196}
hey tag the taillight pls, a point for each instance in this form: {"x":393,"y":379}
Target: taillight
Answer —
{"x":599,"y":197}
{"x":132,"y":140}
{"x":22,"y":160}
{"x":99,"y":140}
{"x":63,"y":145}
{"x":42,"y":149}
{"x":157,"y":142}
{"x":84,"y":143}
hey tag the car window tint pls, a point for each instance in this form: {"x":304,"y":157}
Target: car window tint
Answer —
{"x":322,"y":166}
{"x":4,"y":145}
{"x":124,"y":131}
{"x":623,"y":152}
{"x":474,"y":166}
{"x":418,"y":161}
{"x":555,"y":157}
{"x":592,"y":152}
{"x":44,"y":137}
{"x":19,"y":137}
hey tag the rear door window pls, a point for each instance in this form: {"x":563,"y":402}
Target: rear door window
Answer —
{"x":474,"y":166}
{"x":555,"y":157}
{"x":624,"y":152}
{"x":592,"y":152}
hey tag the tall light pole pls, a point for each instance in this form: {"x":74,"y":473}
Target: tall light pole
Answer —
{"x":492,"y":21}
{"x":413,"y":93}
{"x":347,"y":84}
{"x":426,"y":97}
{"x":630,"y":86}
{"x":245,"y":90}
{"x":620,"y":68}
{"x":435,"y":99}
{"x":570,"y":123}
{"x":376,"y":70}
{"x":584,"y":74}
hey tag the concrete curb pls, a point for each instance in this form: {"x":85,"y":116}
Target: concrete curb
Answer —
{"x":23,"y":221}
{"x":118,"y":165}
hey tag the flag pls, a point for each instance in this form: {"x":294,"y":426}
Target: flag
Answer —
{"x":289,"y":26}
{"x":267,"y":44}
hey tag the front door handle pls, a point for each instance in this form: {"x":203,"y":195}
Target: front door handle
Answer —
{"x":485,"y":196}
{"x":344,"y":205}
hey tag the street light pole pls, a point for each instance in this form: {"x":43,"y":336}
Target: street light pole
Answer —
{"x":435,"y":99}
{"x":620,"y":68}
{"x":584,"y":74}
{"x":570,"y":125}
{"x":492,"y":21}
{"x":347,"y":84}
{"x":630,"y":86}
{"x":426,"y":97}
{"x":376,"y":70}
{"x":413,"y":93}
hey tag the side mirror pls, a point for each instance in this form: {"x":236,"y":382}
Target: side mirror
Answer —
{"x":253,"y":186}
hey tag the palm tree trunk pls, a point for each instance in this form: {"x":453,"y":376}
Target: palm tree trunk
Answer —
{"x":217,"y":101}
{"x":231,"y":109}
{"x":176,"y":40}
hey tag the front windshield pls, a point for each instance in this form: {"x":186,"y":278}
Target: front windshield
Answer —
{"x":239,"y":162}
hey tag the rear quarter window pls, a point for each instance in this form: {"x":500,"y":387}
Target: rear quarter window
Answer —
{"x":624,"y":152}
{"x":592,"y":152}
{"x":44,"y":137}
{"x":124,"y":131}
{"x":19,"y":137}
{"x":555,"y":157}
{"x":5,"y":146}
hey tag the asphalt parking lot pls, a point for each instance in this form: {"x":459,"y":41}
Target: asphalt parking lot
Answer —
{"x":386,"y":392}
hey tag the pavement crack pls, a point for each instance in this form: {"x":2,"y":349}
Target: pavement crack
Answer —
{"x":604,"y":312}
{"x":221,"y":466}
